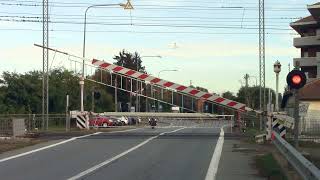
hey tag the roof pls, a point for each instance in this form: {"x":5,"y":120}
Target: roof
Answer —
{"x":318,"y":3}
{"x":310,"y":91}
{"x":306,"y":19}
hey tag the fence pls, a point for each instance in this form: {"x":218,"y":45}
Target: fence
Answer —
{"x":171,"y":119}
{"x":32,"y":123}
{"x":57,"y":122}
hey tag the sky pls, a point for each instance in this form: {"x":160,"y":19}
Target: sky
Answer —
{"x":211,"y":43}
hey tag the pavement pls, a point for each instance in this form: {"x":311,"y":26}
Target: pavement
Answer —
{"x":170,"y":152}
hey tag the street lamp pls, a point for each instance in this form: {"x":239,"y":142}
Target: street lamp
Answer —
{"x":125,"y":6}
{"x":277,"y":69}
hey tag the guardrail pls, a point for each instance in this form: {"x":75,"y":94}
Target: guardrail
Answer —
{"x":304,"y":167}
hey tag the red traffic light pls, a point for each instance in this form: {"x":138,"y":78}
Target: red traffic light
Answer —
{"x":296,"y":79}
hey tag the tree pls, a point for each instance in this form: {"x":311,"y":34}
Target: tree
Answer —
{"x":22,"y":93}
{"x":250,"y":96}
{"x":229,"y":95}
{"x":131,"y":61}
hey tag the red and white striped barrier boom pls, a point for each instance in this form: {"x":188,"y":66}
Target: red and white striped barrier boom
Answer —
{"x":167,"y":84}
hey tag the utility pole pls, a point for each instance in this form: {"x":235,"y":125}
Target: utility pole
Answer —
{"x":45,"y":62}
{"x":262,"y":90}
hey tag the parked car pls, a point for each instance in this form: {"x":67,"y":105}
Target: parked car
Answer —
{"x":124,"y":120}
{"x":116,"y":121}
{"x":100,"y":121}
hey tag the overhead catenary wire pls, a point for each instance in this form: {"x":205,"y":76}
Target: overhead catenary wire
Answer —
{"x":203,"y":26}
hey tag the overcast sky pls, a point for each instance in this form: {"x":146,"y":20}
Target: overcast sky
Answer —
{"x":213,"y":43}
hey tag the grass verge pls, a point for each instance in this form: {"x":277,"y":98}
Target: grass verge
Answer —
{"x":268,"y":167}
{"x":11,"y":144}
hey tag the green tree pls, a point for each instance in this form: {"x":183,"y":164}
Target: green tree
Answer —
{"x":250,"y":96}
{"x":22,"y":93}
{"x":229,"y":95}
{"x":131,"y":61}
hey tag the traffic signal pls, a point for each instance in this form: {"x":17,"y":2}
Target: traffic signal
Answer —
{"x":296,"y":79}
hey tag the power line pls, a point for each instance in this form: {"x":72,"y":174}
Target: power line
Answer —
{"x":166,"y":7}
{"x":142,"y":32}
{"x":203,"y":26}
{"x":153,"y":17}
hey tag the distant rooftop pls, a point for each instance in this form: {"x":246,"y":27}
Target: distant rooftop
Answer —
{"x":310,"y":91}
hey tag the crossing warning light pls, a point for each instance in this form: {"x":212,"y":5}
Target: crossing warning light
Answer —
{"x":296,"y":79}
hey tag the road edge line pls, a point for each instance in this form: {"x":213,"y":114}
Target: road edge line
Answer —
{"x":214,"y":163}
{"x":57,"y":144}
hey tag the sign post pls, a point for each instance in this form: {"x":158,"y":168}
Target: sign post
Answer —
{"x":296,"y":79}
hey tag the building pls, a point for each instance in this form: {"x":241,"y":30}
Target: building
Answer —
{"x":309,"y":42}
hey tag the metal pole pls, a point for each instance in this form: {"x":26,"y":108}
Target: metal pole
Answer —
{"x":137,"y":90}
{"x":67,"y":114}
{"x":137,"y":93}
{"x":92,"y":101}
{"x":262,"y":90}
{"x":147,"y":106}
{"x":116,"y":95}
{"x":81,"y":92}
{"x":130,"y":99}
{"x":192,"y":104}
{"x":84,"y":45}
{"x":182,"y":103}
{"x":296,"y":118}
{"x":171,"y":97}
{"x":45,"y":67}
{"x":277,"y":92}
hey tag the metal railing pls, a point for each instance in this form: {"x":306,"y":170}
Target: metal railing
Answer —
{"x":304,"y":167}
{"x":32,"y":123}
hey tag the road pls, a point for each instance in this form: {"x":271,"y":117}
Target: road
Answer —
{"x":142,"y":154}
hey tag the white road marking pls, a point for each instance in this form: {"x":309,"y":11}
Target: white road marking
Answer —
{"x":46,"y":147}
{"x":108,"y":161}
{"x":56,"y":144}
{"x":213,"y":167}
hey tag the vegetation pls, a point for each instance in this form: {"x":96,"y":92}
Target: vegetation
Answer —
{"x":269,"y":167}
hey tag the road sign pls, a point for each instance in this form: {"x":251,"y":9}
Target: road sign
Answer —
{"x":303,"y":109}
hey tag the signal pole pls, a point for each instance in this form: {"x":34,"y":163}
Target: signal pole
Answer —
{"x":296,"y":118}
{"x":296,"y":79}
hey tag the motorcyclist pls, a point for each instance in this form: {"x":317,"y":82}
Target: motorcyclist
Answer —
{"x":152,"y":122}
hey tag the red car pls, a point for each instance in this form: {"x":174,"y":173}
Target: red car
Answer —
{"x":100,"y":122}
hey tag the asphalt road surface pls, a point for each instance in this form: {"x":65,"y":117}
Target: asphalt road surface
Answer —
{"x":142,"y":154}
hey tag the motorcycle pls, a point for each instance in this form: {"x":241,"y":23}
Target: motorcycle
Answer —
{"x":153,"y":123}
